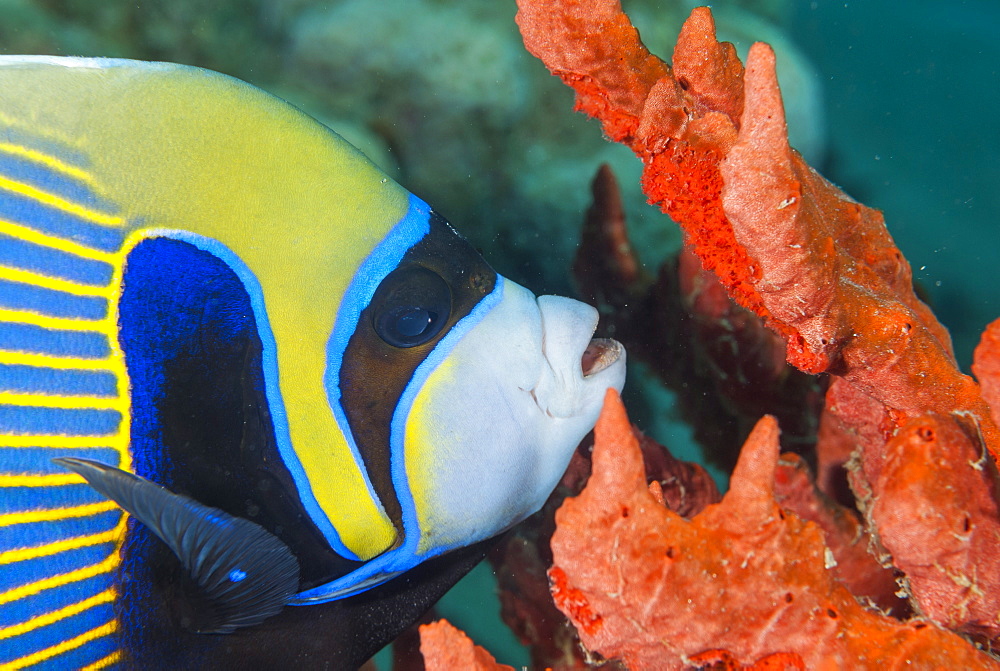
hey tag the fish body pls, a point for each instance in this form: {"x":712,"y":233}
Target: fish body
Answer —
{"x":204,"y":287}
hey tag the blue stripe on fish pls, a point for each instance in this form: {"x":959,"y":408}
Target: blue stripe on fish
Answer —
{"x":27,"y":420}
{"x":29,"y":212}
{"x":43,"y":177}
{"x":31,"y":141}
{"x":17,"y":499}
{"x":39,"y":459}
{"x":55,"y":598}
{"x":17,"y":253}
{"x":53,"y":634}
{"x":87,"y":654}
{"x":52,"y":303}
{"x":57,"y":381}
{"x":49,"y":531}
{"x":54,"y":342}
{"x":32,"y":570}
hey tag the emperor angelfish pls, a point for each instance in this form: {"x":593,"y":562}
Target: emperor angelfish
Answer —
{"x":294,"y":376}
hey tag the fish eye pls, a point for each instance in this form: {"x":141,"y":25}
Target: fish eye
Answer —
{"x":410,"y":306}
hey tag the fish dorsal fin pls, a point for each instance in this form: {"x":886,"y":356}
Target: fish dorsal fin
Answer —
{"x":246,"y":571}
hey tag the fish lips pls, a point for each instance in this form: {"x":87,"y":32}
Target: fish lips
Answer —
{"x":577,"y":368}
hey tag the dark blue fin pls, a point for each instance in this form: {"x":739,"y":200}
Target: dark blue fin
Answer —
{"x":247,"y":572}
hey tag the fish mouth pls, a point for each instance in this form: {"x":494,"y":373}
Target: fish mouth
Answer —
{"x":575,"y":367}
{"x":600,"y":354}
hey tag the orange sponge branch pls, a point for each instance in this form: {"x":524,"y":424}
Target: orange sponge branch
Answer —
{"x":820,"y":268}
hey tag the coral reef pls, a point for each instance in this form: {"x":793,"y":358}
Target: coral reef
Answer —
{"x":821,"y":271}
{"x":745,"y":575}
{"x":231,"y":36}
{"x":820,"y":268}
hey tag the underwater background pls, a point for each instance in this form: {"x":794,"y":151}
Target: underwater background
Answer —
{"x":895,"y":105}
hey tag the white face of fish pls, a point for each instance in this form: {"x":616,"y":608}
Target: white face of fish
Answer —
{"x":498,"y":420}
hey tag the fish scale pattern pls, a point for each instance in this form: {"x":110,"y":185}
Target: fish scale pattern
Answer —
{"x":63,"y":392}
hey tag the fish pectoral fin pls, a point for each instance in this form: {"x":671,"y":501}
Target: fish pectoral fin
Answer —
{"x":246,"y":571}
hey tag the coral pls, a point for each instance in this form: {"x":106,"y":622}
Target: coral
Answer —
{"x":843,"y":533}
{"x":922,"y":502}
{"x":446,"y":648}
{"x":726,"y":366}
{"x":820,"y":269}
{"x":929,"y":494}
{"x":521,"y":562}
{"x":607,"y":270}
{"x":643,"y":584}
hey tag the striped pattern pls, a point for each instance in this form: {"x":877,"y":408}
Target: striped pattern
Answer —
{"x":63,"y":391}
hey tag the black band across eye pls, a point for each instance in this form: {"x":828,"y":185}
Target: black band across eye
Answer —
{"x":410,"y":306}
